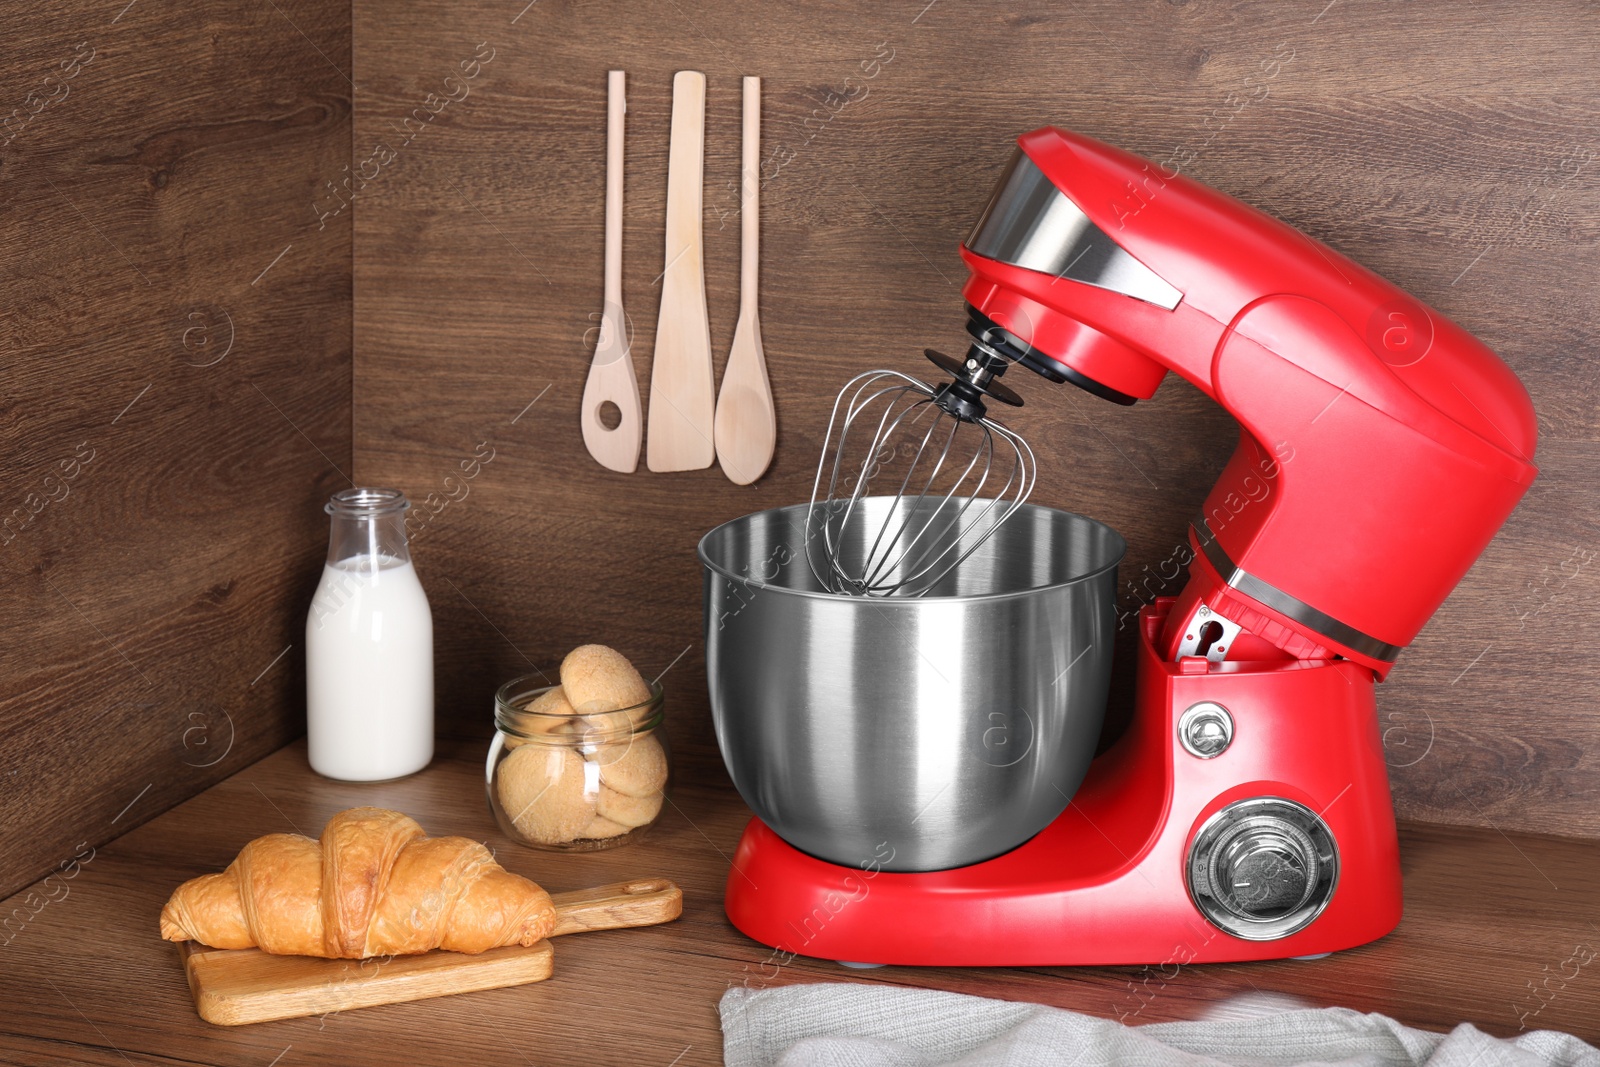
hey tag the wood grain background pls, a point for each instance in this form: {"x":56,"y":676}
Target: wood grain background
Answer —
{"x":175,"y":345}
{"x":1450,"y":147}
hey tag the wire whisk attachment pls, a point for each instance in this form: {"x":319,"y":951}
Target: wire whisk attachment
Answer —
{"x":913,"y":479}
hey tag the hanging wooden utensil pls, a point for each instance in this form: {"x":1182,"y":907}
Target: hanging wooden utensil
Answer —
{"x":746,"y":424}
{"x":611,"y":376}
{"x":682,"y":388}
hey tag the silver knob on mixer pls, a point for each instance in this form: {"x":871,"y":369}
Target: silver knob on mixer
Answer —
{"x":1205,"y":730}
{"x":1263,"y":868}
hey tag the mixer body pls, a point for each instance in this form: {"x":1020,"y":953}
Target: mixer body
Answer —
{"x":1245,"y":814}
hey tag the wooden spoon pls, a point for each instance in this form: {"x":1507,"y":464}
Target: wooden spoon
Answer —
{"x":746,"y":428}
{"x":611,"y":375}
{"x":233,"y":986}
{"x":682,"y":387}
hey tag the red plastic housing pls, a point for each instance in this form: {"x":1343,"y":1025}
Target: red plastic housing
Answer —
{"x":1105,"y":883}
{"x":1381,"y":448}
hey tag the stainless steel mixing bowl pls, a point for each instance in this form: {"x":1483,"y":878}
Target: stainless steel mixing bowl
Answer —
{"x":915,"y":734}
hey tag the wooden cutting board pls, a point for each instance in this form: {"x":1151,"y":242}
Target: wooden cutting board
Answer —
{"x":235,"y":986}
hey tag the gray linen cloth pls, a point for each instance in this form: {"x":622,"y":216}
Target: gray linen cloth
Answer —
{"x":850,"y":1025}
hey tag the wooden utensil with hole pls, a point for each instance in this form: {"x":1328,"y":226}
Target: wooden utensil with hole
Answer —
{"x":682,"y":389}
{"x":611,"y":376}
{"x":746,"y":429}
{"x":235,"y":986}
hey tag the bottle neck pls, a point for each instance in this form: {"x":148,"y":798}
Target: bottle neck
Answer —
{"x":367,"y":529}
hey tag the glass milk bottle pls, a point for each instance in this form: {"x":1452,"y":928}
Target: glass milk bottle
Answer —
{"x":369,"y":646}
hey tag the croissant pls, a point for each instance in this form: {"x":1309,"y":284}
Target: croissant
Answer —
{"x":375,"y":885}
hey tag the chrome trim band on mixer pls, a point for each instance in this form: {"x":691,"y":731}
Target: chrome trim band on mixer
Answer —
{"x":1030,"y":223}
{"x":1285,"y":603}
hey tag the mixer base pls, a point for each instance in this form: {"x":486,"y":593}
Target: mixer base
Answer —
{"x":1108,"y":881}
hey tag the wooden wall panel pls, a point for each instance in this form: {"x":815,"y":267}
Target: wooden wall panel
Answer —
{"x":175,"y":349}
{"x":1449,"y":147}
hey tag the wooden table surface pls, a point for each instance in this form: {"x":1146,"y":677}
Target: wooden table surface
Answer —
{"x":1499,"y":931}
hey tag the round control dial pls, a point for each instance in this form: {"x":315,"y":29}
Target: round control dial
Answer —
{"x":1263,"y":868}
{"x":1205,"y":729}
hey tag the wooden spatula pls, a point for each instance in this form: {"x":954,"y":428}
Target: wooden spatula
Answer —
{"x":234,"y":986}
{"x":682,"y":390}
{"x":611,"y":376}
{"x":746,"y":426}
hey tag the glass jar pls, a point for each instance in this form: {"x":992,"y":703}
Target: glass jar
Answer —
{"x":369,"y":646}
{"x":572,"y":781}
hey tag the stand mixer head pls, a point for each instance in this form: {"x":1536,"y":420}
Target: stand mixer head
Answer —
{"x":1381,"y":446}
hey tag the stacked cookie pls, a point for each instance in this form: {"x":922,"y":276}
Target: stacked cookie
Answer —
{"x":592,"y":767}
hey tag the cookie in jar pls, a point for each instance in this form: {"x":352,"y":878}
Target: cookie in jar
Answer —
{"x":581,"y":765}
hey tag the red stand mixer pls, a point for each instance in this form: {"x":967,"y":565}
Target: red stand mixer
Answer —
{"x":1245,"y":813}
